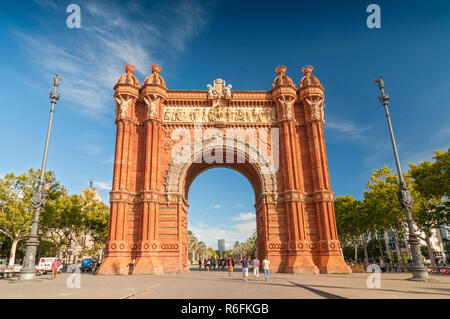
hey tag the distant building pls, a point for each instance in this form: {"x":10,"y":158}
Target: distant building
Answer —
{"x":221,"y":244}
{"x":93,"y":191}
{"x":76,"y":251}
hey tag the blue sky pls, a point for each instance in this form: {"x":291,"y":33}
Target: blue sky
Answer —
{"x":241,"y":42}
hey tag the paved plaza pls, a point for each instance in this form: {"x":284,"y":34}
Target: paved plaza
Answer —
{"x":217,"y":284}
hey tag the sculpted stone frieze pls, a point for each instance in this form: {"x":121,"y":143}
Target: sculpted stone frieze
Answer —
{"x":220,"y":113}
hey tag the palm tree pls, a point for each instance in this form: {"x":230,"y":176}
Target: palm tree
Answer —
{"x":192,"y":243}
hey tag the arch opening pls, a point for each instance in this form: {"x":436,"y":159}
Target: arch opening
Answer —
{"x":220,"y":207}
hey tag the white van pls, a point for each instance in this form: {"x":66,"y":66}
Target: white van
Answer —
{"x":45,"y":265}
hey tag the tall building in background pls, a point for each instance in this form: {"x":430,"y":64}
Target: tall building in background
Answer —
{"x":221,"y":244}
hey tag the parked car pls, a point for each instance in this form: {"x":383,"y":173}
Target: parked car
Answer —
{"x":87,"y":264}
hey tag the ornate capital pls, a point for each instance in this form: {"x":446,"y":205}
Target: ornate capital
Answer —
{"x":286,"y":103}
{"x":152,"y":102}
{"x":316,"y":106}
{"x":124,"y":103}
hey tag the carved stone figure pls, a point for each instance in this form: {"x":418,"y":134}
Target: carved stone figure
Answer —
{"x":316,"y":108}
{"x":228,"y":90}
{"x":257,"y":116}
{"x":167,"y":115}
{"x":211,"y":116}
{"x":210,"y":90}
{"x":124,"y":105}
{"x":179,"y":115}
{"x":248,"y":116}
{"x":240,"y":115}
{"x":287,"y":106}
{"x":152,"y":103}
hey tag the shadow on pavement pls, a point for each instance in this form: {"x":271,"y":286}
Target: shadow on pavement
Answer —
{"x":381,"y":289}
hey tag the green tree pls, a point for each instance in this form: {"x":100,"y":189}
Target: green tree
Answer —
{"x":349,"y":221}
{"x":96,"y":220}
{"x":15,"y":204}
{"x":431,"y":193}
{"x":381,"y":202}
{"x":432,"y":179}
{"x":62,"y":221}
{"x":211,"y":252}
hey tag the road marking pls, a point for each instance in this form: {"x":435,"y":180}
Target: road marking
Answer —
{"x":139,"y":292}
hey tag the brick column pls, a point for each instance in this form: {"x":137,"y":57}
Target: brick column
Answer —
{"x":298,"y":258}
{"x":327,"y":251}
{"x":148,"y":261}
{"x":117,"y":252}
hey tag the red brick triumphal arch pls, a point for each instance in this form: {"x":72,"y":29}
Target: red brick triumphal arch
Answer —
{"x":166,"y":138}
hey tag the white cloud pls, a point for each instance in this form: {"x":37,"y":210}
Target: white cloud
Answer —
{"x":347,"y":130}
{"x":91,"y":59}
{"x":217,"y":206}
{"x":420,"y":156}
{"x":211,"y":234}
{"x":103,"y":185}
{"x":245,"y":216}
{"x":109,"y":160}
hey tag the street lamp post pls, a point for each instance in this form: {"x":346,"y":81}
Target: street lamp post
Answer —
{"x":28,"y":271}
{"x":418,"y":269}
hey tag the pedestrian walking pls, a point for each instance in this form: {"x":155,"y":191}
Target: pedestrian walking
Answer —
{"x":266,"y":267}
{"x":382,"y":265}
{"x":255,"y":264}
{"x":213,"y":261}
{"x":200,"y":264}
{"x":55,"y":265}
{"x":131,"y":266}
{"x":245,"y":268}
{"x":230,"y":266}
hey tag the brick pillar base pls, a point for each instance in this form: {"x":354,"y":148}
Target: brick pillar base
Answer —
{"x":329,"y":258}
{"x":301,"y":265}
{"x":116,"y":265}
{"x":333,"y":265}
{"x":146,"y":265}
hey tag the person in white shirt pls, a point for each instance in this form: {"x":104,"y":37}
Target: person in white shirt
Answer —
{"x":266,"y":267}
{"x":255,"y":263}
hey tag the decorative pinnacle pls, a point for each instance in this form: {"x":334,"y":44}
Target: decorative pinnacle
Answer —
{"x":156,"y":68}
{"x":129,"y":68}
{"x":281,"y":69}
{"x":307,"y":69}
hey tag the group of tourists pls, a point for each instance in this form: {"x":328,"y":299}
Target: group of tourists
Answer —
{"x":212,"y":264}
{"x":228,"y":263}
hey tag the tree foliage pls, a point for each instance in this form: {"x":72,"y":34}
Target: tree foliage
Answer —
{"x":64,"y":219}
{"x":16,"y":212}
